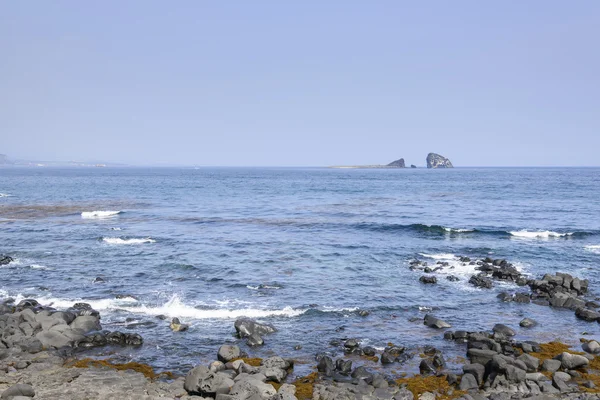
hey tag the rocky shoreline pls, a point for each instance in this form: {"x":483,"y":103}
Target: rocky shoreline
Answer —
{"x":42,"y":355}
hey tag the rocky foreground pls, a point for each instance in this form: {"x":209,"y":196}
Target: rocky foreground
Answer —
{"x":42,"y":356}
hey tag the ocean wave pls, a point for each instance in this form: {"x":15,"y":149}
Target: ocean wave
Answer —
{"x":41,"y":267}
{"x":593,"y":248}
{"x":119,"y":241}
{"x":5,"y":195}
{"x":539,"y":234}
{"x":261,"y":286}
{"x":99,"y":214}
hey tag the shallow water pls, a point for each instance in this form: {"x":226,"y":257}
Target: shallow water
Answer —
{"x":303,"y":249}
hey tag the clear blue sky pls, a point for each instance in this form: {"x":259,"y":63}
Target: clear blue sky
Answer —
{"x":297,"y":83}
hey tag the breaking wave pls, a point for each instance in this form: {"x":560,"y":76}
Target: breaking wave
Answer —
{"x":99,"y":214}
{"x":112,"y":240}
{"x":539,"y":234}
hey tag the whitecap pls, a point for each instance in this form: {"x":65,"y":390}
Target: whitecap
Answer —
{"x":455,"y":230}
{"x":99,"y":214}
{"x":119,"y":241}
{"x":116,"y":229}
{"x":593,"y":248}
{"x":175,"y":307}
{"x":440,"y":256}
{"x":5,"y":195}
{"x":38,"y":266}
{"x":538,"y":234}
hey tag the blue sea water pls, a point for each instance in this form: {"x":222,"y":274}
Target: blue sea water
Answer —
{"x":302,"y":248}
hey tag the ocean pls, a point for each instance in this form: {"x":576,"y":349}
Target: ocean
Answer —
{"x":305,"y":249}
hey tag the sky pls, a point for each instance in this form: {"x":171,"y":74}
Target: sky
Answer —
{"x":301,"y":83}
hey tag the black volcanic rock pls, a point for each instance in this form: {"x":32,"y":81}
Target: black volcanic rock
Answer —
{"x":436,"y":161}
{"x":398,"y":163}
{"x":413,"y":166}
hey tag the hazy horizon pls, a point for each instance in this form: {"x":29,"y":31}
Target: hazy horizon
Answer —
{"x":301,"y":84}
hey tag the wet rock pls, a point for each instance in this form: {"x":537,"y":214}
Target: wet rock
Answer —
{"x":361,"y":374}
{"x":587,"y":314}
{"x":4,"y":260}
{"x":426,"y":367}
{"x":504,"y":330}
{"x":453,"y":278}
{"x":591,"y":347}
{"x":326,"y":366}
{"x":344,"y":367}
{"x":177,"y":326}
{"x":428,"y":279}
{"x":436,"y":323}
{"x":255,"y":340}
{"x":351,"y":343}
{"x":481,"y":281}
{"x":246,"y":327}
{"x":228,"y":352}
{"x":364,"y":313}
{"x":369,"y":351}
{"x":527,"y":323}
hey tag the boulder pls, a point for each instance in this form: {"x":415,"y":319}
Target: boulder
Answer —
{"x":572,"y":361}
{"x":19,"y":389}
{"x":468,"y":382}
{"x":478,"y":356}
{"x":504,"y":330}
{"x":527,"y":323}
{"x":428,"y":279}
{"x":177,"y":326}
{"x":530,"y":362}
{"x":228,"y":352}
{"x":86,"y":324}
{"x":551,"y":365}
{"x":434,"y":322}
{"x":481,"y":281}
{"x":247,"y":327}
{"x":476,"y":370}
{"x":255,"y":340}
{"x":591,"y":347}
{"x":587,"y":314}
{"x":204,"y":382}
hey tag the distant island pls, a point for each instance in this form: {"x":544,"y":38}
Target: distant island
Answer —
{"x":433,"y":161}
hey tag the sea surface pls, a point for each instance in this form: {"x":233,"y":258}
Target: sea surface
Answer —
{"x":304,"y":249}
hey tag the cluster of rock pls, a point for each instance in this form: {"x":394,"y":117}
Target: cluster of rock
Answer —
{"x":500,"y":364}
{"x":33,"y":328}
{"x":231,"y":378}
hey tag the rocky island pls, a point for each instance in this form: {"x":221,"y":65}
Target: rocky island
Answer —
{"x":437,"y":161}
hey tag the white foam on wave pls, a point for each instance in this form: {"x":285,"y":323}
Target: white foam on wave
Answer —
{"x":42,"y":267}
{"x":176,"y":308}
{"x":454,"y":230}
{"x":5,"y":195}
{"x":99,"y":214}
{"x":259,"y":287}
{"x":440,"y":256}
{"x":128,"y":241}
{"x":595,"y":248}
{"x":116,"y":229}
{"x":538,"y":234}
